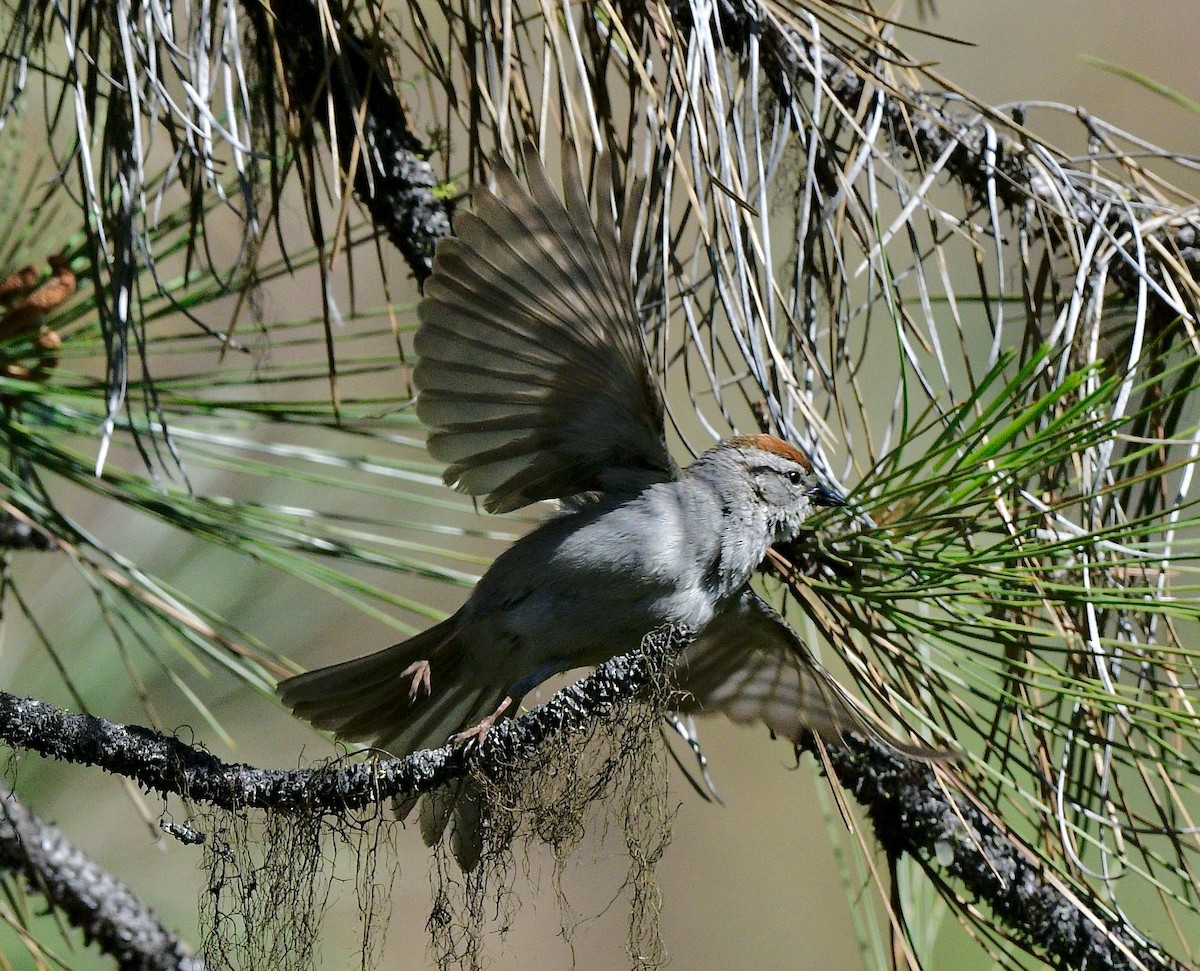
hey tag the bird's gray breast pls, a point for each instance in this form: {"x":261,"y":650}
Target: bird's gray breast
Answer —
{"x":591,"y":584}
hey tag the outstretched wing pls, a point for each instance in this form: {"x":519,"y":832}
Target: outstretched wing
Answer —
{"x":533,"y":376}
{"x":750,"y":665}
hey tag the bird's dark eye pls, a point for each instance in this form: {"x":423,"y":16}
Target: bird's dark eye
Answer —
{"x":794,"y":477}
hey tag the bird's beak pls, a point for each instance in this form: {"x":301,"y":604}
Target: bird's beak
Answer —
{"x":824,"y":496}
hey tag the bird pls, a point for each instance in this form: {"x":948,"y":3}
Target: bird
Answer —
{"x":535,"y":383}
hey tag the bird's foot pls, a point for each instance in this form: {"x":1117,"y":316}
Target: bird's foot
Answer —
{"x":419,"y":671}
{"x":477,"y":733}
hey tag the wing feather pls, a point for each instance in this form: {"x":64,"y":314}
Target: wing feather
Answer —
{"x":749,"y":665}
{"x":533,"y":375}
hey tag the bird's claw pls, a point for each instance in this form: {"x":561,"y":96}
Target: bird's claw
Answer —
{"x":475,"y":735}
{"x":419,"y":672}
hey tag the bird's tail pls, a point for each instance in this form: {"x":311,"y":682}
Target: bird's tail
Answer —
{"x":381,"y":700}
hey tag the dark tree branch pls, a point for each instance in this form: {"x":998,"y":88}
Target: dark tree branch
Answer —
{"x":167,"y":765}
{"x":911,"y":813}
{"x":87,"y":895}
{"x":348,"y":91}
{"x":920,"y":123}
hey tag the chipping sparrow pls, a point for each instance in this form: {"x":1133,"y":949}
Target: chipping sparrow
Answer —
{"x":535,"y":383}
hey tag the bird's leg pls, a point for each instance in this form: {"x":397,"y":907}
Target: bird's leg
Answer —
{"x":477,"y":733}
{"x":419,"y":671}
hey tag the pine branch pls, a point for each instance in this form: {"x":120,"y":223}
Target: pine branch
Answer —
{"x":950,"y":837}
{"x":91,"y":898}
{"x":347,"y":90}
{"x":975,"y":152}
{"x":167,"y":765}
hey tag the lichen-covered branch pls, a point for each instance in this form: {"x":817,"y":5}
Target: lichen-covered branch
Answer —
{"x":167,"y":765}
{"x":88,"y":896}
{"x":952,"y":838}
{"x":910,"y":811}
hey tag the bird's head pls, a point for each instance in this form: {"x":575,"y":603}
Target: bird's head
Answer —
{"x":781,"y":478}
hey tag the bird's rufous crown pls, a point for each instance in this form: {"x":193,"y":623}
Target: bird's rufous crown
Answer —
{"x":777,"y":446}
